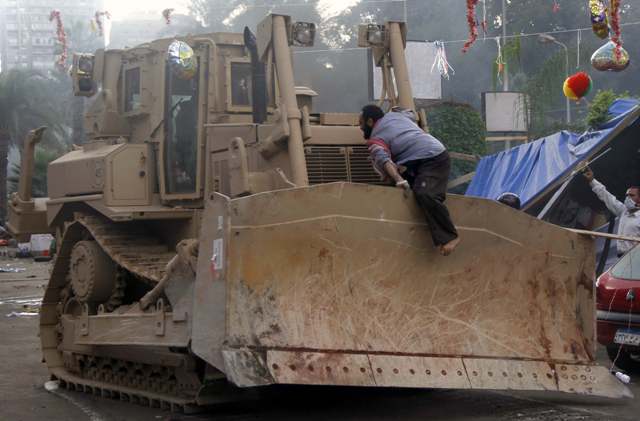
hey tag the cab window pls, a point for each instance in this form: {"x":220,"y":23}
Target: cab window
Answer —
{"x":241,"y":84}
{"x":131,"y":89}
{"x":181,"y":144}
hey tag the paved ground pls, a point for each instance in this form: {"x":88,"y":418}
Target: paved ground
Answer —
{"x":24,"y":398}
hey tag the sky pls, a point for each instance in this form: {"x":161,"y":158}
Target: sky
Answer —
{"x":120,"y":9}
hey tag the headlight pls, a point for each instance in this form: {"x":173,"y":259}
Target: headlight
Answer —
{"x":85,"y":64}
{"x":303,"y":34}
{"x":82,"y":75}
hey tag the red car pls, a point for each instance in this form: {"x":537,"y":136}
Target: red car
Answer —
{"x":618,"y":305}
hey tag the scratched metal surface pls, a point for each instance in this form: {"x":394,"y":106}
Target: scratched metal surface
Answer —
{"x":352,"y":267}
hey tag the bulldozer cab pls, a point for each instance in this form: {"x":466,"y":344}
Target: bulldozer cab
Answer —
{"x":173,"y":94}
{"x":167,"y":93}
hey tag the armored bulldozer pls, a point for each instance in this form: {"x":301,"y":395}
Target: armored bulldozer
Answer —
{"x":215,"y":233}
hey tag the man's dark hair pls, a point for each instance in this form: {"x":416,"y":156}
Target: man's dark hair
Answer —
{"x":373,"y":112}
{"x":510,"y":199}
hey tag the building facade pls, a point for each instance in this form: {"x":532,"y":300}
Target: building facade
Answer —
{"x":27,"y":37}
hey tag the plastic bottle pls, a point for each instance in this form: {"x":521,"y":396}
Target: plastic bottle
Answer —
{"x":623,"y":377}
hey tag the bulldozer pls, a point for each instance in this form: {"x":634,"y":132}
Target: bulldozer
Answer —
{"x":215,"y":235}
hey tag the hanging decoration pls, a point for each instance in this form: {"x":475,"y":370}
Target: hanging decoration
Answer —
{"x":615,"y":27}
{"x":577,"y":86}
{"x":599,"y":20}
{"x":609,"y":58}
{"x":499,"y":62}
{"x":99,"y":22}
{"x":484,"y":24}
{"x":61,"y":36}
{"x":473,"y":26}
{"x":578,"y":45}
{"x":441,"y":62}
{"x":166,"y":14}
{"x":556,"y":6}
{"x":182,"y":60}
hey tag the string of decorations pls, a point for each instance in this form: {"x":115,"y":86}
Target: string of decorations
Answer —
{"x":441,"y":63}
{"x":599,"y":18}
{"x":499,"y":61}
{"x":166,"y":14}
{"x":99,"y":22}
{"x":611,"y":56}
{"x":473,"y":26}
{"x":615,"y":27}
{"x":62,"y":38}
{"x":484,"y":24}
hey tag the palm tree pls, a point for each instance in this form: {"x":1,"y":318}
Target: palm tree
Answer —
{"x":30,"y":99}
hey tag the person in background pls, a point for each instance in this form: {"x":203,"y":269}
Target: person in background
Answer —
{"x":627,"y":211}
{"x":510,"y":199}
{"x":395,"y":141}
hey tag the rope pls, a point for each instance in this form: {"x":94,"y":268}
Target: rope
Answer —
{"x":460,"y":41}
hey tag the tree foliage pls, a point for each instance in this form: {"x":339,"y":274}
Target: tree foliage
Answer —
{"x":234,"y":15}
{"x":599,"y":108}
{"x":461,"y":129}
{"x":31,"y":98}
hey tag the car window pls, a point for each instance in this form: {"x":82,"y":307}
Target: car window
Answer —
{"x":628,"y":267}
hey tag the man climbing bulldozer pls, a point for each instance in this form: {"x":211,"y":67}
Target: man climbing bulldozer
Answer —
{"x":397,"y":143}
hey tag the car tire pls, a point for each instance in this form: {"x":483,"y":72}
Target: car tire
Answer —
{"x":623,"y":360}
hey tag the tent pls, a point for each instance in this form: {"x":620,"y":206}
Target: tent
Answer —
{"x":536,"y":170}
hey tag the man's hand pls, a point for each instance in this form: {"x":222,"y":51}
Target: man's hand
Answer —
{"x":404,"y":185}
{"x":391,"y":169}
{"x":588,"y":174}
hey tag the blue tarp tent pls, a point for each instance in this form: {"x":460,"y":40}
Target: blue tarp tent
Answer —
{"x":531,"y":169}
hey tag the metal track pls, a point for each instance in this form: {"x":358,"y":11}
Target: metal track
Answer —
{"x":132,"y":248}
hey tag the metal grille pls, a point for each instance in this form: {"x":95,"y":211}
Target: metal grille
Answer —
{"x":330,"y":163}
{"x":360,"y":166}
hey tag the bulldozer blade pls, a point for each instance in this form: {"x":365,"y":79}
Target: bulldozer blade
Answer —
{"x":340,"y":284}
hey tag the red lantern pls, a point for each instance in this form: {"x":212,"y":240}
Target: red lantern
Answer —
{"x":577,"y":86}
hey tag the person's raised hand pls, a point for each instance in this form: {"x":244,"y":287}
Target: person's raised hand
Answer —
{"x":588,"y":174}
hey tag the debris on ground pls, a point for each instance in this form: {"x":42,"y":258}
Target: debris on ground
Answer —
{"x":21,"y":314}
{"x":51,"y":385}
{"x":7,"y":269}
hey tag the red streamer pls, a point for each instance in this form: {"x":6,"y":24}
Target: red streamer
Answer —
{"x":98,"y":19}
{"x":615,"y":27}
{"x":473,"y":26}
{"x":166,"y":14}
{"x":62,"y":38}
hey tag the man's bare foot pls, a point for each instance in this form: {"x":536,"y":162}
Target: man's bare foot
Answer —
{"x":448,"y":248}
